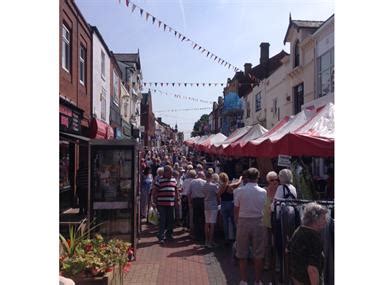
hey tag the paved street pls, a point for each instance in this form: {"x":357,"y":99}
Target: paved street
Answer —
{"x":182,"y":261}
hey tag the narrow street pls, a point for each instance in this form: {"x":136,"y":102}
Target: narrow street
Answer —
{"x":182,"y":261}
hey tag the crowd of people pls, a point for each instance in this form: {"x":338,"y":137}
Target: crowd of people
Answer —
{"x":193,"y":193}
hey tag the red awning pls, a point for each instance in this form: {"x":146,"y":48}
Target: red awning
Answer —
{"x":101,"y":130}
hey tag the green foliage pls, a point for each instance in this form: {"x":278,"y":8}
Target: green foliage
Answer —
{"x":198,"y":129}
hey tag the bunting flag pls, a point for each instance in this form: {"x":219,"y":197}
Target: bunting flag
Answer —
{"x":181,"y":37}
{"x":204,"y":84}
{"x":182,"y":97}
{"x":179,"y":110}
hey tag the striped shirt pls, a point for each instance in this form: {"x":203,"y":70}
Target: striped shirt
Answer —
{"x":166,"y":191}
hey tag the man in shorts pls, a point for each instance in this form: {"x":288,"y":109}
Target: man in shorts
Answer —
{"x":249,"y":202}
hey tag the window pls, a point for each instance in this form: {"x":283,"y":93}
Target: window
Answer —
{"x":65,"y":48}
{"x":103,"y":102}
{"x":258,"y":101}
{"x":298,"y":98}
{"x":325,"y":73}
{"x":296,"y":54}
{"x":275,"y":108}
{"x":248,"y":109}
{"x":116,"y":89}
{"x":83,"y":53}
{"x":103,"y":64}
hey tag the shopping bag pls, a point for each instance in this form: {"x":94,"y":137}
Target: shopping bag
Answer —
{"x":153,"y":216}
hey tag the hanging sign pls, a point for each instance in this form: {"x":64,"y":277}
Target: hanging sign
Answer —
{"x":284,"y":160}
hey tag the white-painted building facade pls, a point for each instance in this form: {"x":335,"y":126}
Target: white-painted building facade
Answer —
{"x":100,"y":78}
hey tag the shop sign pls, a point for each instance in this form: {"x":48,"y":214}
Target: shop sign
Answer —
{"x":284,"y":160}
{"x":69,"y":120}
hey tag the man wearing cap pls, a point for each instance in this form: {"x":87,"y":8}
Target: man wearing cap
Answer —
{"x":249,"y":201}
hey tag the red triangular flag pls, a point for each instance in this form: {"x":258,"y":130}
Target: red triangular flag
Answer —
{"x":203,"y":50}
{"x":167,"y":84}
{"x":194,"y":46}
{"x":162,"y":84}
{"x":133,"y":8}
{"x":203,"y":84}
{"x":159,"y":24}
{"x":165,"y":26}
{"x":127,"y":3}
{"x":215,"y":58}
{"x":147,"y":16}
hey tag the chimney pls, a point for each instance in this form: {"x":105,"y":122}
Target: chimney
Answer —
{"x":264,"y":52}
{"x":247,"y":67}
{"x":220,"y":100}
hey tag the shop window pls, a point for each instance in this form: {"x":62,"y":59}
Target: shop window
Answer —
{"x":112,"y":175}
{"x":64,"y":165}
{"x":66,"y":48}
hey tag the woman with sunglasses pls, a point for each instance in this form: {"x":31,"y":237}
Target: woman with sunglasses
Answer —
{"x":273,"y":183}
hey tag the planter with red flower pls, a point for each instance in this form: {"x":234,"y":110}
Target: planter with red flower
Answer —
{"x":95,"y":261}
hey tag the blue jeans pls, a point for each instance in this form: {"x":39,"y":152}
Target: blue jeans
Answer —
{"x":227,"y":212}
{"x":166,"y":221}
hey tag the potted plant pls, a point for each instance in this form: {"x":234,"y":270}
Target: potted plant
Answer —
{"x":94,"y":260}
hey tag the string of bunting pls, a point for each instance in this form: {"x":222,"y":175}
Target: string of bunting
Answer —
{"x":179,"y":110}
{"x":180,"y":36}
{"x":182,"y":96}
{"x":197,"y":84}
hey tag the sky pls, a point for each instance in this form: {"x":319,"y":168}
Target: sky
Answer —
{"x":231,"y":29}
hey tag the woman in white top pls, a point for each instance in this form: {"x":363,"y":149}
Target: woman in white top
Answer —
{"x":285,"y":190}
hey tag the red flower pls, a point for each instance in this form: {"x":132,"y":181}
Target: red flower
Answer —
{"x":88,"y":247}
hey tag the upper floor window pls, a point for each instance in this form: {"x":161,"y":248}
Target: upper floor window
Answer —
{"x":325,"y":76}
{"x":65,"y":48}
{"x":276,"y":109}
{"x":103,"y":64}
{"x":103,"y":104}
{"x":83,"y":54}
{"x":298,"y":98}
{"x":248,"y":109}
{"x":258,"y":101}
{"x":296,"y":54}
{"x":116,"y":89}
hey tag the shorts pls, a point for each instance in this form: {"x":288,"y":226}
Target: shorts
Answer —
{"x":211,"y":216}
{"x":250,"y":231}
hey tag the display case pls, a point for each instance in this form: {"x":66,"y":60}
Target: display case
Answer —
{"x":114,"y":184}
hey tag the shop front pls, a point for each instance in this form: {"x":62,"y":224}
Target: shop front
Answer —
{"x":73,"y":148}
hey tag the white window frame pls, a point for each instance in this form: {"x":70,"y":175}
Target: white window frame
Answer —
{"x":103,"y":107}
{"x":66,"y":45}
{"x":116,"y":88}
{"x":330,"y":70}
{"x":82,"y":65}
{"x":103,"y":64}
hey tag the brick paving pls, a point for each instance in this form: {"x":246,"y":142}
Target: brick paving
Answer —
{"x":182,"y":261}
